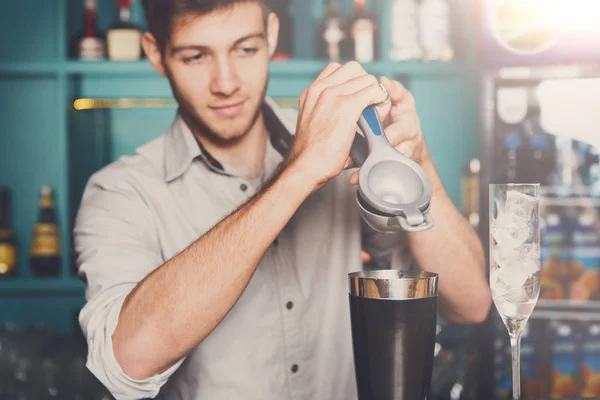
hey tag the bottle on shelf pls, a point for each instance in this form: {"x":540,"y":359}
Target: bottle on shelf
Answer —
{"x":8,"y":243}
{"x":470,"y":195}
{"x":434,"y":27}
{"x":334,"y":36}
{"x":91,"y":44}
{"x":590,"y":370}
{"x":124,"y":39}
{"x":285,"y":44}
{"x":45,"y":241}
{"x":405,"y":31}
{"x":554,"y":256}
{"x":363,"y":34}
{"x":565,"y":365}
{"x":583,"y":276}
{"x":542,"y":153}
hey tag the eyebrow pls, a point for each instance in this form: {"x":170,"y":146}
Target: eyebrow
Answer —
{"x":177,"y":49}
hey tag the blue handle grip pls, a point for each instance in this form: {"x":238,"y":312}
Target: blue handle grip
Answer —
{"x":372,"y":120}
{"x":372,"y":129}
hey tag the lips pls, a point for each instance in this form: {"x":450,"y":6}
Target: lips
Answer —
{"x":229,"y":110}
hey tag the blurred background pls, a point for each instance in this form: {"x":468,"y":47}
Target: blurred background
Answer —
{"x":506,"y":90}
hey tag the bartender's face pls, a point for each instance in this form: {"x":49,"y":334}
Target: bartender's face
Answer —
{"x":218,"y":68}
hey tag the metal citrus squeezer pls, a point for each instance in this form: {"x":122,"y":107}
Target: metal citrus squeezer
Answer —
{"x":394,"y":192}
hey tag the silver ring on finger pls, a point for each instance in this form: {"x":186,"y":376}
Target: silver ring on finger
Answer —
{"x":387,"y":100}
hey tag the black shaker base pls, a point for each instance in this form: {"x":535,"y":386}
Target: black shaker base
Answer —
{"x":393,"y":344}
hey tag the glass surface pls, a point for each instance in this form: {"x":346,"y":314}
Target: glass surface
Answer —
{"x":514,"y":260}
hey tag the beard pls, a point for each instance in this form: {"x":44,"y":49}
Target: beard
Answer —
{"x":200,"y":126}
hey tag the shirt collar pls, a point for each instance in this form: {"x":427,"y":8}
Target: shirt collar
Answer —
{"x":182,"y":148}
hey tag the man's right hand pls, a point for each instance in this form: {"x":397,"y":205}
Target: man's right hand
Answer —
{"x":329,"y":111}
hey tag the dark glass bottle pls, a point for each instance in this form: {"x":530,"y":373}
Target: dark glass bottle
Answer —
{"x":45,"y":240}
{"x":285,"y":44}
{"x":90,"y":43}
{"x":335,"y":40}
{"x":8,"y":243}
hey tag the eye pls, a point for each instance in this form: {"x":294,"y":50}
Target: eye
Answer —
{"x":194,"y":58}
{"x":247,"y":51}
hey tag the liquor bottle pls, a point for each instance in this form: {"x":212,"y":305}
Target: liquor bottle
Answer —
{"x":124,"y":39}
{"x":334,"y":34}
{"x":405,"y":31}
{"x":530,"y":386}
{"x":45,"y":241}
{"x":565,"y":174}
{"x":91,"y":44}
{"x":565,"y":365}
{"x":470,"y":192}
{"x":542,"y":152}
{"x":434,"y":27}
{"x":591,"y":362}
{"x":285,"y":44}
{"x":363,"y":34}
{"x":511,"y":155}
{"x":8,"y":243}
{"x":555,"y":253}
{"x":583,"y":275}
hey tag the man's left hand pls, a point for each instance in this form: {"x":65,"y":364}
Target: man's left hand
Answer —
{"x":401,"y":124}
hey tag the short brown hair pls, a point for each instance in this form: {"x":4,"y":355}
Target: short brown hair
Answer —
{"x":160,"y":14}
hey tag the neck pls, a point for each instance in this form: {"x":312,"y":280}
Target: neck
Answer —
{"x":246,"y":155}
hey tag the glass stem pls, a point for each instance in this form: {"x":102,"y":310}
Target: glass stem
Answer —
{"x":515,"y":344}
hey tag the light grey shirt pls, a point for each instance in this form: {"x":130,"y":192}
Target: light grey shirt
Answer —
{"x":288,"y":336}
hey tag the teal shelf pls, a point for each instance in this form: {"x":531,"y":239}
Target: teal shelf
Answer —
{"x":25,"y":67}
{"x":41,"y":286}
{"x":278,"y":69}
{"x":108,"y":68}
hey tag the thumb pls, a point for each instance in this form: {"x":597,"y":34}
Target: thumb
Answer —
{"x":354,"y":178}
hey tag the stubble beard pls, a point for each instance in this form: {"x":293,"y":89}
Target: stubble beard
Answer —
{"x":199,"y":126}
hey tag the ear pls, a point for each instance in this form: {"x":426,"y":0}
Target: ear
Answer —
{"x":153,"y":53}
{"x":272,"y":33}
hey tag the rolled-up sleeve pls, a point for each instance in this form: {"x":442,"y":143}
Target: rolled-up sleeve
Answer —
{"x":117,"y":245}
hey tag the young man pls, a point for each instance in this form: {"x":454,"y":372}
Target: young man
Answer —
{"x":216,"y":258}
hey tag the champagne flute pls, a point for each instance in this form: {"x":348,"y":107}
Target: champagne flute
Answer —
{"x":514,"y":261}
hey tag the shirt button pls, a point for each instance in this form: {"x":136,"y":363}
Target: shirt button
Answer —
{"x":294,"y":368}
{"x":243,"y":187}
{"x":289,"y":305}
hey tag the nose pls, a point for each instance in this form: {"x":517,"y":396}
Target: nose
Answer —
{"x":225,"y":80}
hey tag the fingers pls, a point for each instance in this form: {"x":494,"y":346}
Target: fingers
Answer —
{"x":395,"y":89}
{"x":328,"y":70}
{"x":409,"y":146}
{"x":365,"y":257}
{"x":336,"y":77}
{"x":353,"y":85}
{"x":365,"y":97}
{"x":354,"y":178}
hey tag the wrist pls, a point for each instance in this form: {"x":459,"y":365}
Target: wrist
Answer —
{"x":300,"y":178}
{"x":304,"y":174}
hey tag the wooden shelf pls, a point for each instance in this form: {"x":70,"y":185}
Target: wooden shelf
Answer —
{"x":40,"y":286}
